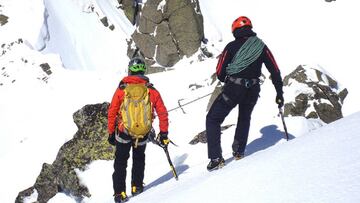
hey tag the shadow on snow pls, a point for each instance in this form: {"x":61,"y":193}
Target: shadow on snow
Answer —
{"x":270,"y":136}
{"x":179,"y":167}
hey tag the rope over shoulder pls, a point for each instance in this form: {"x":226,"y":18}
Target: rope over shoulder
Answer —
{"x":246,"y":55}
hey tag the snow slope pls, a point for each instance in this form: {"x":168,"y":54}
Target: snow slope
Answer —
{"x":321,"y":166}
{"x":81,"y":39}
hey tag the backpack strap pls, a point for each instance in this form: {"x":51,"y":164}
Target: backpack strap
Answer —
{"x":123,"y":85}
{"x":150,"y":86}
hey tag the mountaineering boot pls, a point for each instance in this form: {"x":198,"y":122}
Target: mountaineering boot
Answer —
{"x":238,"y":155}
{"x":215,"y":164}
{"x":136,"y":190}
{"x":122,"y":197}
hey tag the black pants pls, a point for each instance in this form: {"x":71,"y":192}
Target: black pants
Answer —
{"x":122,"y":155}
{"x":231,"y":96}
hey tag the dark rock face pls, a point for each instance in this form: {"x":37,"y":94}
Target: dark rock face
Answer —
{"x":318,"y":95}
{"x":168,"y":32}
{"x":3,"y":19}
{"x":130,"y":8}
{"x":89,"y":144}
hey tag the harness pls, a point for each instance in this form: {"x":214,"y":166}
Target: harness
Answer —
{"x":244,"y":81}
{"x":125,"y":141}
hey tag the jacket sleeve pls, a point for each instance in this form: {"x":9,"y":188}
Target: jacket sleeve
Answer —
{"x":160,"y":109}
{"x":274,"y":70}
{"x":114,"y":109}
{"x":224,"y":60}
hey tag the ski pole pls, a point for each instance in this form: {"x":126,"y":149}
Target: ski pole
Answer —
{"x":170,"y":162}
{"x":283,"y":121}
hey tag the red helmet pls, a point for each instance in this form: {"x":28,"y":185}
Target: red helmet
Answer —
{"x":241,"y":22}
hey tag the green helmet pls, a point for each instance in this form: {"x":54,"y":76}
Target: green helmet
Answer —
{"x":137,"y":66}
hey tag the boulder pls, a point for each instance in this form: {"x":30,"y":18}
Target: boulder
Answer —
{"x":89,"y":144}
{"x":145,"y":43}
{"x":151,"y":12}
{"x":314,"y":94}
{"x":186,"y":23}
{"x":167,"y":53}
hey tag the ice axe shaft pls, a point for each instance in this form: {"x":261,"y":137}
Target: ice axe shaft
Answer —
{"x":170,"y":162}
{"x":283,"y":122}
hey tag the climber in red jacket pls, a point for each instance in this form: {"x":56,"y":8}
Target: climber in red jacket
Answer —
{"x":124,"y":138}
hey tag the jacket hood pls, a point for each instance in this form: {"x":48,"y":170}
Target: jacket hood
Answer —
{"x":243,"y":32}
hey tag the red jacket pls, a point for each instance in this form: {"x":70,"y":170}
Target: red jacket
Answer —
{"x":155,"y":99}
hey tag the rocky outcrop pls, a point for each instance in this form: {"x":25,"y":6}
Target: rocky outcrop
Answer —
{"x":89,"y":144}
{"x":12,"y":67}
{"x":317,"y":95}
{"x":167,"y":31}
{"x":3,"y":19}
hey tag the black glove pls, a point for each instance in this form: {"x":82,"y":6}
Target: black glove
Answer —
{"x":111,"y":139}
{"x":162,"y":139}
{"x":279,"y":100}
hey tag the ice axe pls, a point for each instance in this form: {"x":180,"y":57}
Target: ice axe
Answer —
{"x":281,"y":113}
{"x":170,"y":162}
{"x":165,"y":148}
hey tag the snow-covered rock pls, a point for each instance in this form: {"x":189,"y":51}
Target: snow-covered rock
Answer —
{"x":314,"y":94}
